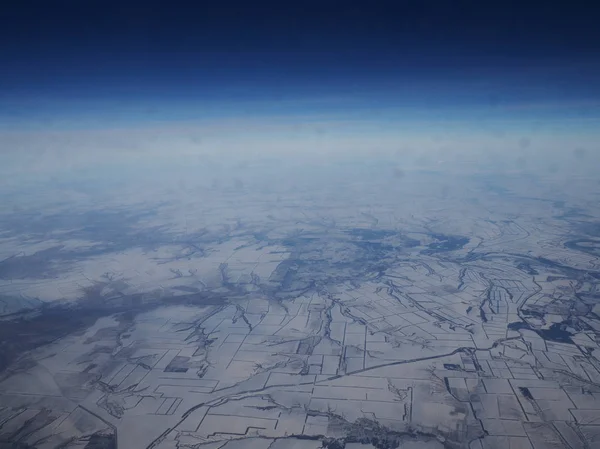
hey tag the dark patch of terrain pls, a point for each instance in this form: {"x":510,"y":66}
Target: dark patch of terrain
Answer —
{"x":565,"y":269}
{"x":571,"y":212}
{"x":591,"y":229}
{"x":107,"y":231}
{"x":14,"y":437}
{"x":100,"y":441}
{"x":445,"y":243}
{"x":298,"y":241}
{"x":95,"y":441}
{"x":533,"y":313}
{"x":526,"y":393}
{"x":483,"y":315}
{"x":179,"y":364}
{"x":366,"y":431}
{"x":556,"y":332}
{"x":109,"y":225}
{"x":579,"y":245}
{"x":47,"y":325}
{"x":52,"y":322}
{"x":532,"y":262}
{"x":358,"y":252}
{"x":370,"y":240}
{"x":374,"y":247}
{"x":526,"y":267}
{"x":452,"y":367}
{"x":37,"y":266}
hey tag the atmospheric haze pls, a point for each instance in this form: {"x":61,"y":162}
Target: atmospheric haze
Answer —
{"x":331,"y":226}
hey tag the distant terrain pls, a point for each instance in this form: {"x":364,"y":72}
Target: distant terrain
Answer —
{"x":391,"y":309}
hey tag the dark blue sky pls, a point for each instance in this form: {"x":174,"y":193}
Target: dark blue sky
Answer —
{"x":63,"y":55}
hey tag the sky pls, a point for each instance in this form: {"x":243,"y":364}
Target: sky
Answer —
{"x":396,"y":73}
